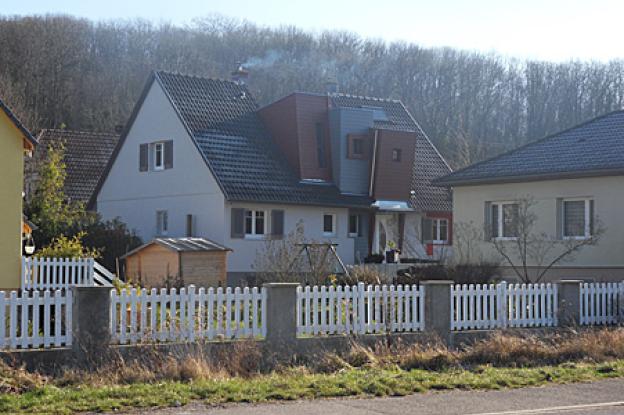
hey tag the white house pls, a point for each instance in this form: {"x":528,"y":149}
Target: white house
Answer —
{"x":197,"y":158}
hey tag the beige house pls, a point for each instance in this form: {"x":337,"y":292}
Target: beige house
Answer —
{"x":573,"y":182}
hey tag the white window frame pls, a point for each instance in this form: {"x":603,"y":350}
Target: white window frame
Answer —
{"x":162,"y":222}
{"x":500,"y":224}
{"x":159,"y":145}
{"x":435,"y":224}
{"x":357,"y":225}
{"x":254,"y":230}
{"x":333,"y":232}
{"x":587,"y":214}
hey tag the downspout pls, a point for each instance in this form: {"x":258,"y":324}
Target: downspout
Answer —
{"x":373,"y":164}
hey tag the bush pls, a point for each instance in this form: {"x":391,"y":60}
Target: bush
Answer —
{"x":481,"y":273}
{"x":360,"y":273}
{"x":112,"y":239}
{"x":66,"y":247}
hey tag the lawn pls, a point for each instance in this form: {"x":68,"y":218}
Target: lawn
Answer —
{"x":296,"y":383}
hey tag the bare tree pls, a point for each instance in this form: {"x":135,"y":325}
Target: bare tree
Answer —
{"x":531,"y":253}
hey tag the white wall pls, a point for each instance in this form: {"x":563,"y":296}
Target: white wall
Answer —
{"x":187,"y":188}
{"x":244,"y":254}
{"x":608,"y":195}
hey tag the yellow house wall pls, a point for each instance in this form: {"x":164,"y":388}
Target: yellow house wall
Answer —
{"x":11,"y":183}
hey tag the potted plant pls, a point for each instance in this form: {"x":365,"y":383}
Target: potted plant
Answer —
{"x":392,"y":254}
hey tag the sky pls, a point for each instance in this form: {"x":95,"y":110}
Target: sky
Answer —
{"x":553,"y":30}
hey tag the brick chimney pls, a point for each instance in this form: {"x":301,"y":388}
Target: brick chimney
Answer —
{"x":240,"y":75}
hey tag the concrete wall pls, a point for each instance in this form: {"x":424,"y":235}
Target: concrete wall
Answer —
{"x":245,"y":250}
{"x":11,"y":185}
{"x":350,"y":175}
{"x":606,"y":258}
{"x":187,"y":188}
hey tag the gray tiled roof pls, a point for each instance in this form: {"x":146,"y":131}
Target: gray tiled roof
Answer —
{"x":191,"y":244}
{"x":595,"y":147}
{"x":86,"y":156}
{"x":428,"y":163}
{"x":222,"y":117}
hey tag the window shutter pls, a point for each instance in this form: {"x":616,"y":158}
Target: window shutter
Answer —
{"x":426,"y":227}
{"x":238,"y":222}
{"x":169,"y":154}
{"x":591,"y":218}
{"x":487,"y":221}
{"x":559,"y":218}
{"x":277,"y":223}
{"x":143,"y":157}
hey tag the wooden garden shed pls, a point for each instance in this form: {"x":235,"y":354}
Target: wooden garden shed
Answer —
{"x":177,"y":261}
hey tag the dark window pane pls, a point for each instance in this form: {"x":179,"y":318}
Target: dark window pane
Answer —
{"x":494,"y":222}
{"x":510,"y":220}
{"x":353,"y":224}
{"x":443,"y":230}
{"x":358,"y":146}
{"x":260,"y":223}
{"x":396,"y":154}
{"x":328,"y":223}
{"x":574,"y":218}
{"x":248,"y":222}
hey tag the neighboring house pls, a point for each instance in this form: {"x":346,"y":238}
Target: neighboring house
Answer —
{"x":172,"y":261}
{"x":15,"y":141}
{"x":198,"y":158}
{"x":574,"y":177}
{"x":86,"y":157}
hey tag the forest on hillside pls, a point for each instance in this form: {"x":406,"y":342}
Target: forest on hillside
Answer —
{"x":64,"y":71}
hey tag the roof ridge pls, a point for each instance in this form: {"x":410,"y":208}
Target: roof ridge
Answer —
{"x":442,"y":179}
{"x":342,"y":94}
{"x":195,"y":76}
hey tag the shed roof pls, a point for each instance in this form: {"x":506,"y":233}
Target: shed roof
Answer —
{"x":182,"y":245}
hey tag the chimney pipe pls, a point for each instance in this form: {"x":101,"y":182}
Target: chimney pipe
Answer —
{"x":240,"y":75}
{"x":331,"y":85}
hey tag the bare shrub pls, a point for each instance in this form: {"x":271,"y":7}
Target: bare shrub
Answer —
{"x":361,"y":273}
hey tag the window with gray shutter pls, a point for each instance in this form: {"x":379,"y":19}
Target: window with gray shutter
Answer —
{"x":277,"y":223}
{"x":143,"y":163}
{"x":238,"y":223}
{"x":169,"y":154}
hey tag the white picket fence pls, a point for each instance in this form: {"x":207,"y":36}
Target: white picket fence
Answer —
{"x":601,"y":303}
{"x":35,"y":320}
{"x":359,"y":309}
{"x":477,"y":306}
{"x":187,"y":314}
{"x":56,"y":273}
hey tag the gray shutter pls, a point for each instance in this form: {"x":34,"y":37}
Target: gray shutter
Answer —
{"x":277,"y":223}
{"x":591,"y":217}
{"x":238,"y":223}
{"x":487,"y":221}
{"x":143,"y":157}
{"x":426,"y":229}
{"x":169,"y":154}
{"x":559,"y":218}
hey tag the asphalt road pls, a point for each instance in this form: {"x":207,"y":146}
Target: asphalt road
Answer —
{"x":597,"y":398}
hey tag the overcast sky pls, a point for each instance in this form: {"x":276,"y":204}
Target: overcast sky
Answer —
{"x":555,"y":30}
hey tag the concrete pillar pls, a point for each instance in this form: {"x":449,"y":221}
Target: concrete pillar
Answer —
{"x":438,"y":309}
{"x":281,"y":309}
{"x":569,"y":302}
{"x":90,"y":322}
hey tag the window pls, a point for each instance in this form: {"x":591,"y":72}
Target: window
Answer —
{"x":354,"y":225}
{"x":439,"y":231}
{"x":255,"y":222}
{"x":320,"y":145}
{"x":358,"y":147}
{"x":396,"y":154}
{"x":159,"y":156}
{"x":162,"y":222}
{"x":329,"y":224}
{"x":577,"y":218}
{"x":504,"y":220}
{"x":190,"y":226}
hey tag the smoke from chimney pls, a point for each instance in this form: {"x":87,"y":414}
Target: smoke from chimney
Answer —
{"x":240,"y":75}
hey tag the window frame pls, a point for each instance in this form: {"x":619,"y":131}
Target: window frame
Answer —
{"x":333,"y":231}
{"x":357,"y":225}
{"x":435,"y":231}
{"x":254,"y":224}
{"x":162,"y":222}
{"x":500,"y":226}
{"x":158,"y":145}
{"x":587,"y":217}
{"x":397,"y":152}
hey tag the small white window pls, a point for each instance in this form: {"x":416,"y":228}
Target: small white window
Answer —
{"x":354,"y":225}
{"x":577,"y":218}
{"x":159,"y":156}
{"x":255,"y":223}
{"x":439,"y":231}
{"x":504,"y":220}
{"x":162,"y":222}
{"x":329,"y":224}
